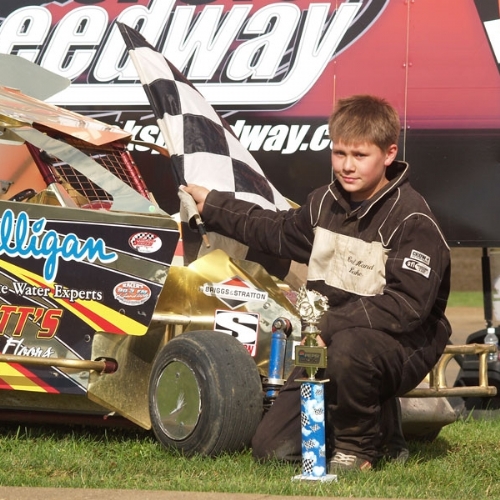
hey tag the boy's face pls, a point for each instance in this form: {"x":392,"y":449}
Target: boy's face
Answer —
{"x":360,"y":168}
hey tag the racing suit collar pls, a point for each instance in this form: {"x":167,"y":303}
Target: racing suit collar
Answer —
{"x":397,"y":173}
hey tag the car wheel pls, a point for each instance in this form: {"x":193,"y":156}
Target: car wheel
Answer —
{"x":205,"y":394}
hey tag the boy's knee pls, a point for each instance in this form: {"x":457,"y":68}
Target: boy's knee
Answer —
{"x":343,"y":347}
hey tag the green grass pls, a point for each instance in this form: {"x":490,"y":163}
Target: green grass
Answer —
{"x":465,"y":299}
{"x":461,"y":463}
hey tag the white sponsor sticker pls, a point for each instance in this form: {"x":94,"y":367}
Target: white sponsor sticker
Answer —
{"x":234,"y":292}
{"x":145,"y":242}
{"x":131,"y":293}
{"x":415,"y":254}
{"x":243,"y":326}
{"x":416,"y":267}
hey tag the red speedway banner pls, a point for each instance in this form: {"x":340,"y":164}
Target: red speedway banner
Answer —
{"x":274,"y":70}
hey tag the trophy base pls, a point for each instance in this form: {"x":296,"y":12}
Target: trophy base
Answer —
{"x":313,"y":380}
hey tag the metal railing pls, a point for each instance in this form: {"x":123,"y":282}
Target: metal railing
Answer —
{"x":437,"y":376}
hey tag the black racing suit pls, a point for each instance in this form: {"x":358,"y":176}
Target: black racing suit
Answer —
{"x":385,"y":269}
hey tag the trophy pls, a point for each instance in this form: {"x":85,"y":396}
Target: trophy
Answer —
{"x":311,"y":306}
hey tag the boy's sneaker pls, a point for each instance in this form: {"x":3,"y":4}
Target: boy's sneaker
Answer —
{"x":342,"y":463}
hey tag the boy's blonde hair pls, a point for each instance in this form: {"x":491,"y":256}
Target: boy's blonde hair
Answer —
{"x":364,"y":118}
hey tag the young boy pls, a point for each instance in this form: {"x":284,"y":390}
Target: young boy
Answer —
{"x":375,"y":250}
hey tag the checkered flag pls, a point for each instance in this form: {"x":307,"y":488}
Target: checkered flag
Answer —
{"x":304,"y":419}
{"x":142,"y":238}
{"x":306,"y":391}
{"x":202,"y":146}
{"x":307,"y":466}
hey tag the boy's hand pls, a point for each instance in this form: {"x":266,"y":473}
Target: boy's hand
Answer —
{"x":319,"y":341}
{"x":199,"y":194}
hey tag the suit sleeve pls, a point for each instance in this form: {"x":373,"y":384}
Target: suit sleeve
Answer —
{"x":287,"y":234}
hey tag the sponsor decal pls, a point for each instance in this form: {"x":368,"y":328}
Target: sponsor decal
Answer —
{"x":16,"y":318}
{"x":17,"y":347}
{"x":416,"y":267}
{"x":24,"y":238}
{"x":234,"y":292}
{"x":243,"y":326}
{"x":415,"y":254}
{"x":22,"y":289}
{"x":145,"y":242}
{"x":73,"y":294}
{"x":132,"y":293}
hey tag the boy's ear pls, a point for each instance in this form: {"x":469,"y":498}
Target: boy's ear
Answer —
{"x":391,"y":153}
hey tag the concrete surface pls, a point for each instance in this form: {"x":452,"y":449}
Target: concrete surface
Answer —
{"x":82,"y":494}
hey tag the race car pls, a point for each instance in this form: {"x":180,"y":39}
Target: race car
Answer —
{"x":92,"y":302}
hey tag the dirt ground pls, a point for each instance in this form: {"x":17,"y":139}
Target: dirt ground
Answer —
{"x":466,"y":269}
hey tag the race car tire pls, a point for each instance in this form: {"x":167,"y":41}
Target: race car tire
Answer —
{"x":205,"y":394}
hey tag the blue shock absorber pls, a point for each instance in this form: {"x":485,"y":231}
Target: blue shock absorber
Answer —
{"x":281,"y":331}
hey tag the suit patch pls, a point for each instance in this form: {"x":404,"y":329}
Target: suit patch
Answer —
{"x":416,"y":267}
{"x":348,"y":263}
{"x":415,"y":254}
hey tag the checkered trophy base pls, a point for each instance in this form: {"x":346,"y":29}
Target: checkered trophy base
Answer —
{"x":312,"y":415}
{"x":311,"y":306}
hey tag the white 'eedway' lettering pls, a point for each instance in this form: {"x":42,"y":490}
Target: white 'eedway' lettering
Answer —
{"x":263,"y":66}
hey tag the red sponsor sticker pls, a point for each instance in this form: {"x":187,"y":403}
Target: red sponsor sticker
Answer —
{"x":131,"y":293}
{"x":145,"y":242}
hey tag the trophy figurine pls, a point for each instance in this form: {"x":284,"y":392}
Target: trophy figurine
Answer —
{"x":310,"y":305}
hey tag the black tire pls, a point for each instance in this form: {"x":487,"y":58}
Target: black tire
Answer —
{"x":205,"y":394}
